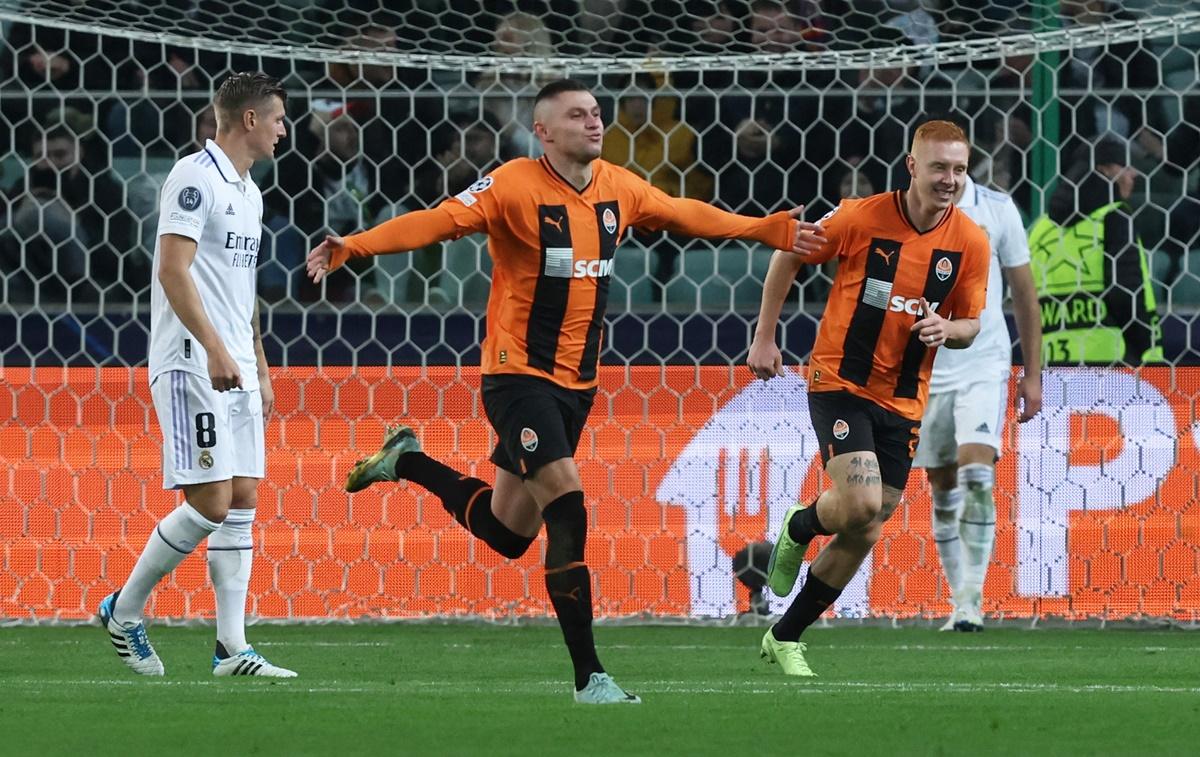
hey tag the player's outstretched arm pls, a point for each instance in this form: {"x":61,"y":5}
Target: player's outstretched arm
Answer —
{"x":410,"y":231}
{"x":693,"y":218}
{"x":176,"y":253}
{"x":1029,"y":330}
{"x":766,"y":360}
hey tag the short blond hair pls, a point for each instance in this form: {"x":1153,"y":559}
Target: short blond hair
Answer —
{"x":940,"y":131}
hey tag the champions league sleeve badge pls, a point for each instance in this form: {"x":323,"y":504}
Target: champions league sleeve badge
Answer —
{"x":189,"y":198}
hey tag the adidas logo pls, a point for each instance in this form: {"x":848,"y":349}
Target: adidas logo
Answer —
{"x":982,"y":429}
{"x":229,"y":210}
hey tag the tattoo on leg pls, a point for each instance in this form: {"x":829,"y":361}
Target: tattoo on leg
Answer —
{"x":873,"y":476}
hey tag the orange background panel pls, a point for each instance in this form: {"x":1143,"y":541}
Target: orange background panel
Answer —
{"x":80,"y":491}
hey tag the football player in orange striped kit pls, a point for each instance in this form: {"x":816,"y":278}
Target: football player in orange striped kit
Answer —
{"x":553,"y":227}
{"x":912,"y":277}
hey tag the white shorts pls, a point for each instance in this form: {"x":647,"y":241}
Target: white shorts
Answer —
{"x":973,"y":414}
{"x":207,"y":435}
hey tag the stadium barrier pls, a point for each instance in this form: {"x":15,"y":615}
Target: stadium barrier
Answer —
{"x":1097,"y":505}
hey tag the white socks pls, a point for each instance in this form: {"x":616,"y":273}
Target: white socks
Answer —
{"x":230,"y":556}
{"x":172,"y":540}
{"x":978,"y":531}
{"x":947,"y":508}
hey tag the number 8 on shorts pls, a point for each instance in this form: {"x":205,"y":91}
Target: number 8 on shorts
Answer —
{"x":207,"y":435}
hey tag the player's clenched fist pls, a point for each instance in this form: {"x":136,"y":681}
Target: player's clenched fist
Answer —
{"x":223,"y":371}
{"x":765,"y":360}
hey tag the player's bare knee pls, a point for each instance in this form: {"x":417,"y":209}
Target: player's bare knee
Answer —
{"x":861,"y":540}
{"x":861,"y":507}
{"x":554,"y":480}
{"x":212,"y":500}
{"x":942,"y":479}
{"x":245,"y":494}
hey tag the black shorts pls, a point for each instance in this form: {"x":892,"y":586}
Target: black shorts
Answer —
{"x":537,"y":420}
{"x":848,"y":423}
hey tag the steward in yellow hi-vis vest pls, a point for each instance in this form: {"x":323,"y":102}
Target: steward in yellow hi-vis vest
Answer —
{"x":1093,"y":279}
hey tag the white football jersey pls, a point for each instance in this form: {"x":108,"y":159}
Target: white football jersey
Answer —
{"x":990,"y":356}
{"x":204,"y":199}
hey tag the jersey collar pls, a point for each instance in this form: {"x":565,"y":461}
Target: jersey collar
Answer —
{"x":224,"y":164}
{"x":902,"y":211}
{"x":550,"y":169}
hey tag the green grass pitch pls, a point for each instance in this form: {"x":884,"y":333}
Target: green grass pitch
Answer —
{"x":480,"y":689}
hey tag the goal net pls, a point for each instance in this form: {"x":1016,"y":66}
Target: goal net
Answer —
{"x":754,"y":106}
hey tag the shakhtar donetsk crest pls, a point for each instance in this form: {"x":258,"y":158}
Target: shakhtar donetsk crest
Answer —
{"x":610,"y":220}
{"x":841,"y":429}
{"x":529,"y":439}
{"x":943,"y":269}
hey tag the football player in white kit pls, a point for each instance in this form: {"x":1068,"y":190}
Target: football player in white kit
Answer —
{"x":208,"y":375}
{"x":968,"y":392}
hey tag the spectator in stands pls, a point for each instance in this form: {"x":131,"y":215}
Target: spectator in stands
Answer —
{"x":158,"y":125}
{"x":203,"y":129}
{"x":1127,"y":66}
{"x":713,"y":25}
{"x":463,"y":150}
{"x":1004,"y":128}
{"x":47,"y":60}
{"x":786,"y":26}
{"x":1098,"y":305}
{"x":842,"y":182}
{"x":325,"y":182}
{"x":783,"y":104}
{"x":888,"y":105}
{"x":753,"y":181}
{"x":394,"y":123}
{"x":1182,"y":153}
{"x":72,"y":236}
{"x":648,"y":138}
{"x":508,"y":97}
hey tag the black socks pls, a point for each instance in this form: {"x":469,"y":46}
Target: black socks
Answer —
{"x":804,"y":525}
{"x":815,"y":598}
{"x":468,"y":500}
{"x":568,"y":581}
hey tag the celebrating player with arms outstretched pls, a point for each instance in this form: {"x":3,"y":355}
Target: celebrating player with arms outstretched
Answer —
{"x":553,"y":226}
{"x":912,"y":276}
{"x":208,"y":375}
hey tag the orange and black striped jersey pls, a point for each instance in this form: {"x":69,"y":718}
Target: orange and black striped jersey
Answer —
{"x":552,"y":248}
{"x":865,"y":343}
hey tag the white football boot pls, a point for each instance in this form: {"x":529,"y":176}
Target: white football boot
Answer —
{"x":130,"y":641}
{"x":246,"y":663}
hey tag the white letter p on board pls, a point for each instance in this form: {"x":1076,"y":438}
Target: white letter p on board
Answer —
{"x":1050,"y":486}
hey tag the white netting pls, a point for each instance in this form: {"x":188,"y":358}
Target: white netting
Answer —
{"x":595,"y":35}
{"x":752,"y":106}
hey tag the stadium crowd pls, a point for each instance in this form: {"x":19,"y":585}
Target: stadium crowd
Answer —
{"x":89,"y":124}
